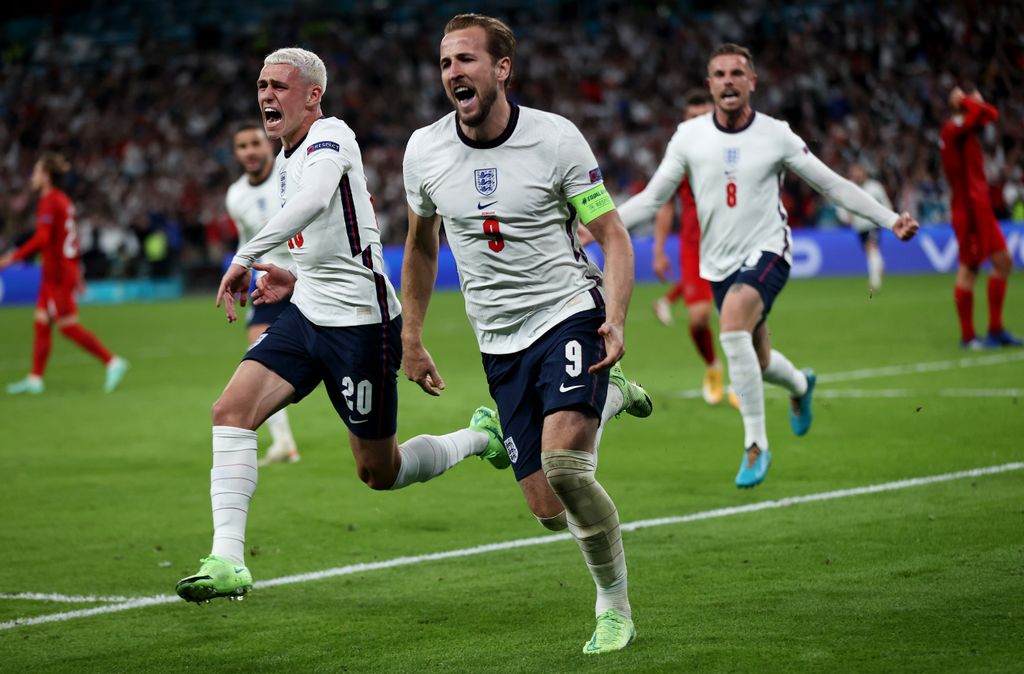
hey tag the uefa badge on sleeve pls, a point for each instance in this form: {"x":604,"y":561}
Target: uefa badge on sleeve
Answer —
{"x":486,"y":181}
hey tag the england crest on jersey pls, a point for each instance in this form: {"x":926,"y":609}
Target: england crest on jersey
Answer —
{"x":486,"y":181}
{"x":732,"y":156}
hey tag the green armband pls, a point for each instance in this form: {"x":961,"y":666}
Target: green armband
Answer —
{"x":593,"y":203}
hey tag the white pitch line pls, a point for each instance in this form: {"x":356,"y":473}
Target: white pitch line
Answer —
{"x":64,"y":598}
{"x":889,"y":393}
{"x":908,"y":368}
{"x":525,"y":542}
{"x":915,"y":368}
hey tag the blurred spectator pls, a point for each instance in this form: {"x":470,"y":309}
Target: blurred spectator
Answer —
{"x":140,"y":95}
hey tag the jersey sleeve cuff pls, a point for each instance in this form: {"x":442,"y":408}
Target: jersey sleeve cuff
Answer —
{"x":242,"y":261}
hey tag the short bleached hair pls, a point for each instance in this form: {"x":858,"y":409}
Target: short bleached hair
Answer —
{"x":310,"y":66}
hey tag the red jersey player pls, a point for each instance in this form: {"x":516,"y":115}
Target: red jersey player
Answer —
{"x":695,"y":291}
{"x":975,"y":225}
{"x":56,"y":239}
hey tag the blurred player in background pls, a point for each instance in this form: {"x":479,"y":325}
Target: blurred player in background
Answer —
{"x":251,"y":201}
{"x":508,"y":183}
{"x":56,"y":238}
{"x":342,"y":325}
{"x":735,"y":159}
{"x":974,"y":223}
{"x":694,"y":290}
{"x":867,"y":231}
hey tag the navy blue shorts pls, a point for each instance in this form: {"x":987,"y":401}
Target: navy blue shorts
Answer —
{"x":872,"y":235}
{"x":767,"y":277}
{"x":548,"y":376}
{"x":265,"y":314}
{"x":357,"y":364}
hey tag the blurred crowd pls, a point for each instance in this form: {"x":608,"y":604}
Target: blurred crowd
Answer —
{"x":142,"y":96}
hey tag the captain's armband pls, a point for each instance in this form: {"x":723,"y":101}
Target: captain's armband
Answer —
{"x":593,"y":203}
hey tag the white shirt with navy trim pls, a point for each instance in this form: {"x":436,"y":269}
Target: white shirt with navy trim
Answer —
{"x":337,"y":253}
{"x":506,"y":212}
{"x":736,"y":177}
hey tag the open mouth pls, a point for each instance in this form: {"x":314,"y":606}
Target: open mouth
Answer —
{"x":464,"y":95}
{"x":729,"y":95}
{"x":272,"y":117}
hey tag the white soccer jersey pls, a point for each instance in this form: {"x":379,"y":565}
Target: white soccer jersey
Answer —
{"x":736,"y":177}
{"x":330,"y":229}
{"x":505,"y":208}
{"x":251,"y":206}
{"x":861,"y":224}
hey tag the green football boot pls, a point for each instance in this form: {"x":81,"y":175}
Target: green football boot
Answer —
{"x":217,"y":577}
{"x":485,"y":420}
{"x":636,"y":402}
{"x":614,"y":632}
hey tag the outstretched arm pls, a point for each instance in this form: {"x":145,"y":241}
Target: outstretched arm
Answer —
{"x":419,"y":271}
{"x":847,"y":195}
{"x":641,"y":208}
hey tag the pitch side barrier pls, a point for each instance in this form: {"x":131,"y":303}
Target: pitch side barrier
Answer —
{"x":834,"y":252}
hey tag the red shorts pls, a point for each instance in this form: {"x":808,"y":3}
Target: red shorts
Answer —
{"x":57,"y":301}
{"x":695,"y":288}
{"x":978,"y":240}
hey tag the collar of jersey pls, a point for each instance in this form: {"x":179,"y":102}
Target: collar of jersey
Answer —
{"x":753,"y":114}
{"x":289,"y":153}
{"x":513,"y":119}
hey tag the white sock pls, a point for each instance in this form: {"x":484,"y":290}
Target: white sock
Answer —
{"x":875,"y":267}
{"x":745,"y":377}
{"x":232,"y":484}
{"x":280,"y":429}
{"x":613,"y":404}
{"x":782,"y":373}
{"x":426,"y":456}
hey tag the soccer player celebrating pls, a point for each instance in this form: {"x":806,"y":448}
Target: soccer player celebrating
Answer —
{"x":867,"y":231}
{"x":508,"y":182}
{"x":251,"y":201}
{"x":695,"y":291}
{"x":342,"y":325}
{"x":974,"y":223}
{"x":734,"y":159}
{"x":56,"y":238}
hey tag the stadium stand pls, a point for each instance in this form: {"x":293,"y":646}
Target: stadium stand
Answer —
{"x":141,"y":97}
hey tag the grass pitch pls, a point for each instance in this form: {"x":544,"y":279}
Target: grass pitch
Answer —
{"x":107,"y":496}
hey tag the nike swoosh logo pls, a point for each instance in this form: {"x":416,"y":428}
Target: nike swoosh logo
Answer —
{"x":239,"y":569}
{"x":479,"y":207}
{"x":359,"y":421}
{"x":565,"y":389}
